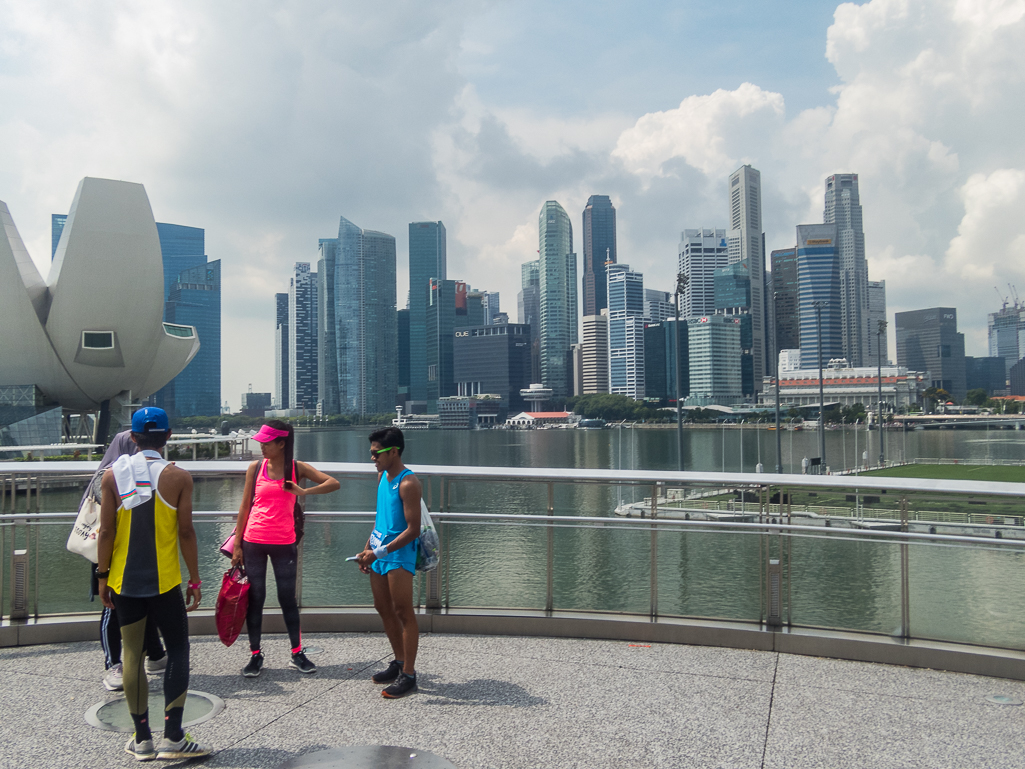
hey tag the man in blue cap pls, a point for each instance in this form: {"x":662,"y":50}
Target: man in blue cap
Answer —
{"x":145,"y":519}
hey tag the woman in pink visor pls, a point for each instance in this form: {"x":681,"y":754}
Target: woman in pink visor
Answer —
{"x":266,"y":519}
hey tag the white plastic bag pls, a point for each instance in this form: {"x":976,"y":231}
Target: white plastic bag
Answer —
{"x":430,"y":546}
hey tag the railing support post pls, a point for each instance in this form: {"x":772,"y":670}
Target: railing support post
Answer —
{"x":550,"y":578}
{"x":653,"y":611}
{"x":905,"y":589}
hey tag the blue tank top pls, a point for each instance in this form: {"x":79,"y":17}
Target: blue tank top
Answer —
{"x":391,"y":521}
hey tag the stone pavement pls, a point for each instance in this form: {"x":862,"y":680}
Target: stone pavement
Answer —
{"x":533,"y":702}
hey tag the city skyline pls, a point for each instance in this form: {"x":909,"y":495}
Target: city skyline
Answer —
{"x":461,"y":139}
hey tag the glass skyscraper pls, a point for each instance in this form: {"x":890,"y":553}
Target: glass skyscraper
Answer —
{"x":280,"y":393}
{"x":529,"y":306}
{"x":57,"y":222}
{"x":746,"y":242}
{"x":626,"y":331}
{"x":818,"y":276}
{"x":427,"y":259}
{"x":599,"y":237}
{"x":195,"y":300}
{"x":357,"y":322}
{"x":302,"y":338}
{"x":786,"y":326}
{"x":558,"y":297}
{"x":843,"y":208}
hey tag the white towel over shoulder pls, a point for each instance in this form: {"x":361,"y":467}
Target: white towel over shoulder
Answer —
{"x":134,"y":484}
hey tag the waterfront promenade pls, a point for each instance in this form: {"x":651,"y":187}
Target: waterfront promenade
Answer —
{"x":531,"y":702}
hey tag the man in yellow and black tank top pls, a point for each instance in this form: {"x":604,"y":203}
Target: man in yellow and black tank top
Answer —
{"x":145,"y":519}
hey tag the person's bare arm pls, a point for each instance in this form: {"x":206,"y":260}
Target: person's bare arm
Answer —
{"x":243,"y":511}
{"x":409,"y":492}
{"x":325,"y":483}
{"x":105,"y":537}
{"x":187,"y":538}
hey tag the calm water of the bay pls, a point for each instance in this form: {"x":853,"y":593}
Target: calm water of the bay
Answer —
{"x":957,"y":594}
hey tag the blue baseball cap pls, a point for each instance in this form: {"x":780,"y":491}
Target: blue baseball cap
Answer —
{"x":150,"y":420}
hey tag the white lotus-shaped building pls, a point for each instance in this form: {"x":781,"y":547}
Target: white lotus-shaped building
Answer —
{"x":94,"y":329}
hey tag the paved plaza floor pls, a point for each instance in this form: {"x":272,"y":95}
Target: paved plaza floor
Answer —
{"x":535,"y":702}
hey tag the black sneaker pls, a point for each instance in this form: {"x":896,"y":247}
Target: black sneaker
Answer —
{"x":405,"y":685}
{"x":302,"y":664}
{"x":252,"y":670}
{"x":390,"y":673}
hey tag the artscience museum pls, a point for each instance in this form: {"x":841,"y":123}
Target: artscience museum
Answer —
{"x":91,"y":337}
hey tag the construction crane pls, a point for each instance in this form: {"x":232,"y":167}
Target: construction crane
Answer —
{"x":1002,"y":298}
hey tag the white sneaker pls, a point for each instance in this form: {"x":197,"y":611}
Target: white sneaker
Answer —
{"x":113,"y":679}
{"x":143,"y":751}
{"x":156,"y":666}
{"x":184,"y":748}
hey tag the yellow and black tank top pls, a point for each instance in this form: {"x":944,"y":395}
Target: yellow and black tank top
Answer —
{"x":145,"y":561}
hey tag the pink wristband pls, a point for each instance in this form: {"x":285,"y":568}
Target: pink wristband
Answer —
{"x":195,"y":585}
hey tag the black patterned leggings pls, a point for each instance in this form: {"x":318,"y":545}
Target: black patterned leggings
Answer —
{"x":284,"y":558}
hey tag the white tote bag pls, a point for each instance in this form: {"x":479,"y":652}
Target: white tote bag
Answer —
{"x":87,"y":526}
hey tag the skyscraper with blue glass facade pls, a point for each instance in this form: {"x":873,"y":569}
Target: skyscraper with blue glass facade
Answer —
{"x":57,"y":222}
{"x":558,"y":297}
{"x":818,"y":278}
{"x":599,"y":237}
{"x":427,"y":259}
{"x":357,"y":324}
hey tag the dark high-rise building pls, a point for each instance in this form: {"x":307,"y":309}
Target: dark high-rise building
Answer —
{"x":446,"y":312}
{"x":928,"y":340}
{"x":494,"y":360}
{"x":818,"y":277}
{"x":529,"y":306}
{"x":280,"y":391}
{"x":558,"y":284}
{"x":1016,"y":378}
{"x":302,"y":338}
{"x":427,"y":259}
{"x":784,"y":298}
{"x":195,"y":300}
{"x":843,"y":208}
{"x":599,"y":236}
{"x":989,"y":374}
{"x":660,"y":361}
{"x":732,"y":292}
{"x":403,"y":356}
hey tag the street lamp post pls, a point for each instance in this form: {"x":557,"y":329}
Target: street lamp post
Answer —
{"x":822,"y":400}
{"x":879,"y":377}
{"x":779,"y":439}
{"x":681,"y":286}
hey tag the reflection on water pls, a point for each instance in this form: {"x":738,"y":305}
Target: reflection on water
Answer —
{"x":957,"y":594}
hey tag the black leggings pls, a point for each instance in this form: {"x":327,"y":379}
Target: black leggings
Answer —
{"x":285,"y":561}
{"x":110,"y":637}
{"x":167,"y":612}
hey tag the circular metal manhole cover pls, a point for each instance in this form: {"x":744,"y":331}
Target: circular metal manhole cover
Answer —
{"x":369,"y":757}
{"x":1003,"y":699}
{"x":113,"y":715}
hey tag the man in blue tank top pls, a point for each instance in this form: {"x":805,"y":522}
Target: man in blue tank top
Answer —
{"x":390,"y":558}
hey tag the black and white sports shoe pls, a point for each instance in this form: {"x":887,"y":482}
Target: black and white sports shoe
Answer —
{"x":141,"y":749}
{"x":186,"y":747}
{"x":301,"y":663}
{"x":252,"y":670}
{"x":406,"y":684}
{"x":390,"y":673}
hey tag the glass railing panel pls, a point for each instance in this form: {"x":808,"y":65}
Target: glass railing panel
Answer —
{"x":327,"y":578}
{"x":838,"y":583}
{"x":708,"y":574}
{"x":967,"y":594}
{"x":64,"y":577}
{"x":601,"y":569}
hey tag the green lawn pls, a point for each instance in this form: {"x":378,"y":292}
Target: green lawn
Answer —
{"x":955,"y":472}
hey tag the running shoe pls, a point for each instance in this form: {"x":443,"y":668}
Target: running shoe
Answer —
{"x":186,"y":747}
{"x":301,"y":663}
{"x":156,"y":666}
{"x":390,"y":673}
{"x":252,"y":670}
{"x":406,"y":684}
{"x":113,"y":679}
{"x":141,"y":749}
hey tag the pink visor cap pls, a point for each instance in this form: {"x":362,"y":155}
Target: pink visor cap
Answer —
{"x":268,"y":434}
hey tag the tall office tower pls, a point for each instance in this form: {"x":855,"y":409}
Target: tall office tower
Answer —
{"x":843,"y":208}
{"x":491,"y":305}
{"x":702,"y":252}
{"x":732,"y":288}
{"x":57,"y":222}
{"x":280,"y":393}
{"x":302,"y":338}
{"x":599,"y":235}
{"x":195,"y":300}
{"x":357,"y":322}
{"x":818,"y":278}
{"x":183,"y":250}
{"x":786,"y":316}
{"x":928,"y":340}
{"x":747,"y":242}
{"x":1006,"y":329}
{"x":626,"y":331}
{"x":427,"y":259}
{"x":658,"y":306}
{"x":876,"y":346}
{"x":495,"y":360}
{"x":989,"y":374}
{"x":558,"y":286}
{"x":403,"y":362}
{"x":446,"y":312}
{"x":595,"y":354}
{"x":475,"y":308}
{"x":714,"y":360}
{"x":660,"y":361}
{"x":528,"y":305}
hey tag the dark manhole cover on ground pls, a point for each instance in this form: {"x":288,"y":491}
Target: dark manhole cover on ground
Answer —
{"x":369,"y":757}
{"x":113,"y":715}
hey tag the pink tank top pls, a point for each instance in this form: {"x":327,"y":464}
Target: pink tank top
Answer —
{"x":272,"y":518}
